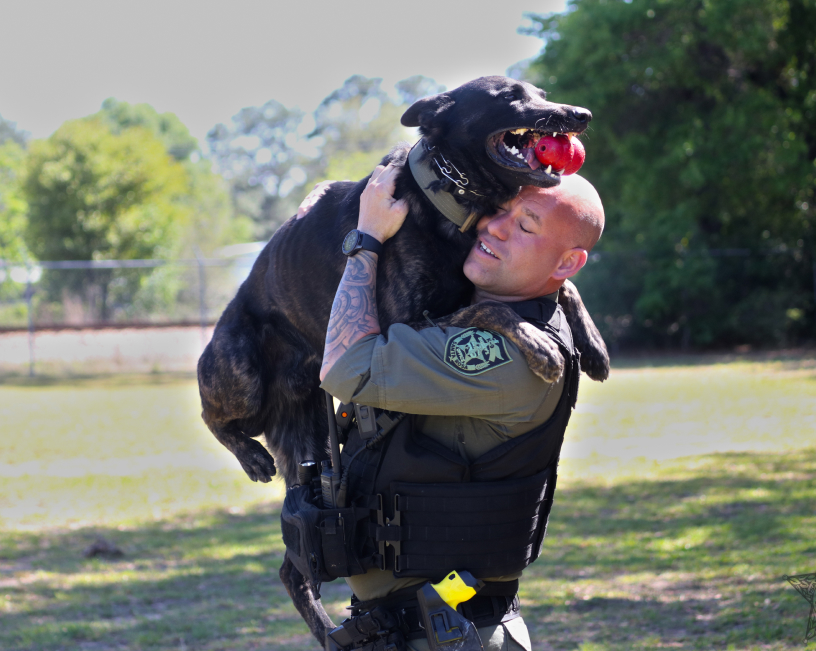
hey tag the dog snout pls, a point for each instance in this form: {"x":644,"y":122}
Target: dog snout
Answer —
{"x":580,"y":115}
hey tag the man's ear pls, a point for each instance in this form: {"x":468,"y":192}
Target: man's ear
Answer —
{"x":424,"y":112}
{"x":571,"y":263}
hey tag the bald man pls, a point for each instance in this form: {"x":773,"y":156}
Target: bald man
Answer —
{"x":476,"y":407}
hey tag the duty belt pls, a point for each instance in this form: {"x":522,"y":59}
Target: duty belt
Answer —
{"x":383,"y":623}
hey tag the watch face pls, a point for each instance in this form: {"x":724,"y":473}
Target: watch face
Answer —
{"x":350,"y":242}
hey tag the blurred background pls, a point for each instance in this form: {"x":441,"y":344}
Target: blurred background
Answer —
{"x":702,"y":147}
{"x":147,"y":153}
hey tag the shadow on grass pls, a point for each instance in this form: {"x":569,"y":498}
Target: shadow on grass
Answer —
{"x":205,"y":581}
{"x":694,"y":559}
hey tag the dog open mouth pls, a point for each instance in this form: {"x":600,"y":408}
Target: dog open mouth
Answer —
{"x":515,"y":149}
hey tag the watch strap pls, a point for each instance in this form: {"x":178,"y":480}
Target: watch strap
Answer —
{"x":369,"y":243}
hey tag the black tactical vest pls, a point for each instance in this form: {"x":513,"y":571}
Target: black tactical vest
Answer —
{"x":421,"y":510}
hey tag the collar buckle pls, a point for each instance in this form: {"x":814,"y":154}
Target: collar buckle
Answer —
{"x":446,"y":168}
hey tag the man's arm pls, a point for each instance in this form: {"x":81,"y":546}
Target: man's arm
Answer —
{"x":354,"y":312}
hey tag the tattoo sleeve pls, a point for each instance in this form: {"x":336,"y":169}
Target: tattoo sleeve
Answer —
{"x":354,"y":312}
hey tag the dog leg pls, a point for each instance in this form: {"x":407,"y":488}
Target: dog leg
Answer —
{"x":254,"y":458}
{"x":302,"y":595}
{"x":540,"y":352}
{"x":594,"y":356}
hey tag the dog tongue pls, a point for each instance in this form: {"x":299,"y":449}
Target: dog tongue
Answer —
{"x":530,"y":157}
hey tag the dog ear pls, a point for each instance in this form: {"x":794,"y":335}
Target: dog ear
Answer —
{"x":422,"y":112}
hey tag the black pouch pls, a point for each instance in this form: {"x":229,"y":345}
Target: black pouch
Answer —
{"x":323,"y":543}
{"x":300,"y":519}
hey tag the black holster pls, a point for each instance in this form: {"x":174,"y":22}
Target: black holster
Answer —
{"x":375,"y":630}
{"x":322,"y":543}
{"x":400,"y":618}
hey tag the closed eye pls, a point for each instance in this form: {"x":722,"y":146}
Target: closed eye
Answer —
{"x":524,"y":229}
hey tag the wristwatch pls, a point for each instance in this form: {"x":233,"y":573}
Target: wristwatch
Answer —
{"x":357,"y":241}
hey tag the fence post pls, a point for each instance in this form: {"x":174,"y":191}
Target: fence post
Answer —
{"x":202,"y":297}
{"x":28,"y":294}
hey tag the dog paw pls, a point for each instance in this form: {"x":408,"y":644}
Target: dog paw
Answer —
{"x":595,"y":362}
{"x":256,"y":461}
{"x":540,"y":352}
{"x":585,"y":335}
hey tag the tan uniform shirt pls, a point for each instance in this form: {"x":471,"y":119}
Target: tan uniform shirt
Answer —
{"x":471,"y":387}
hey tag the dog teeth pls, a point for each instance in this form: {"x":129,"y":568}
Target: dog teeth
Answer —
{"x":519,"y":132}
{"x":561,"y":171}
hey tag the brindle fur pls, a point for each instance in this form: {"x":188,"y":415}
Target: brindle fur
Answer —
{"x":259,"y":374}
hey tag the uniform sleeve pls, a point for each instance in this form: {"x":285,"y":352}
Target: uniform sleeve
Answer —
{"x":461,"y":372}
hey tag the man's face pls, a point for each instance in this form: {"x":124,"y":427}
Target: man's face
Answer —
{"x":518,"y":249}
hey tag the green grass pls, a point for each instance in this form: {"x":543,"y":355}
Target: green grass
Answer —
{"x":645,"y":550}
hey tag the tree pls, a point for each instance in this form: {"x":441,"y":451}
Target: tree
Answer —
{"x":171,"y":131}
{"x":256,"y":154}
{"x":13,"y":207}
{"x":212,"y":223}
{"x":703,"y":148}
{"x":9,"y":131}
{"x":94,"y":195}
{"x":413,"y":88}
{"x":357,"y":125}
{"x":271,"y":155}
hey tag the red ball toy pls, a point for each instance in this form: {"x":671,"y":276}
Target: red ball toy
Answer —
{"x":578,"y":157}
{"x":562,"y":152}
{"x":555,"y":151}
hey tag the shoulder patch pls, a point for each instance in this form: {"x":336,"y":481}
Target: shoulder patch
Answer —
{"x":474,"y":351}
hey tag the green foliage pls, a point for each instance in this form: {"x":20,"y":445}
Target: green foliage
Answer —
{"x":213,"y":223}
{"x":118,"y":185}
{"x":358,"y":124}
{"x":703,"y":143}
{"x":9,"y":131}
{"x":165,"y":126}
{"x":95,"y":195}
{"x":13,"y":205}
{"x":272,"y":155}
{"x":256,"y":154}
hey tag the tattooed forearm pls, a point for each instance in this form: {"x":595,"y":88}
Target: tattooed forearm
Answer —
{"x":354,"y":312}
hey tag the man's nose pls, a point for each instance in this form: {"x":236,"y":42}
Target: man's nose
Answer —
{"x":498,"y":225}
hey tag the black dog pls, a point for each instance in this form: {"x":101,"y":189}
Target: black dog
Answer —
{"x":259,"y":374}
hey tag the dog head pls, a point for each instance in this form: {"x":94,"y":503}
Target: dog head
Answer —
{"x":486,"y":127}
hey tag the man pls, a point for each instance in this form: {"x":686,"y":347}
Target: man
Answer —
{"x":470,"y":389}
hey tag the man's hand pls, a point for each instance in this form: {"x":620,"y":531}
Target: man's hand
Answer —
{"x":381,"y":216}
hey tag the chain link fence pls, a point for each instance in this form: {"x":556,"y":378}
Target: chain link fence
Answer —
{"x":45,"y":297}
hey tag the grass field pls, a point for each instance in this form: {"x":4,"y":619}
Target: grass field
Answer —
{"x":687,"y":493}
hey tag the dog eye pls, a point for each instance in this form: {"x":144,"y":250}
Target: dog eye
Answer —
{"x":510,"y":97}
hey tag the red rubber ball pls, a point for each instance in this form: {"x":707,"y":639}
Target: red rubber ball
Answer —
{"x":555,"y":151}
{"x":578,"y":157}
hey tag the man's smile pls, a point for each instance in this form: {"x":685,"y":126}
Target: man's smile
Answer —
{"x":483,"y":248}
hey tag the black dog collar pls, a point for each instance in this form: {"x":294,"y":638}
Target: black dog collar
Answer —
{"x":419,"y":160}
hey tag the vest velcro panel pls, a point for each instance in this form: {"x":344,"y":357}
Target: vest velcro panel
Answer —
{"x":490,"y":528}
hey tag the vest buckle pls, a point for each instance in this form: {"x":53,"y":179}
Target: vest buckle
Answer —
{"x":382,"y":521}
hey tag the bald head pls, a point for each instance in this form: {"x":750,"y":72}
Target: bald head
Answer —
{"x":575,"y":210}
